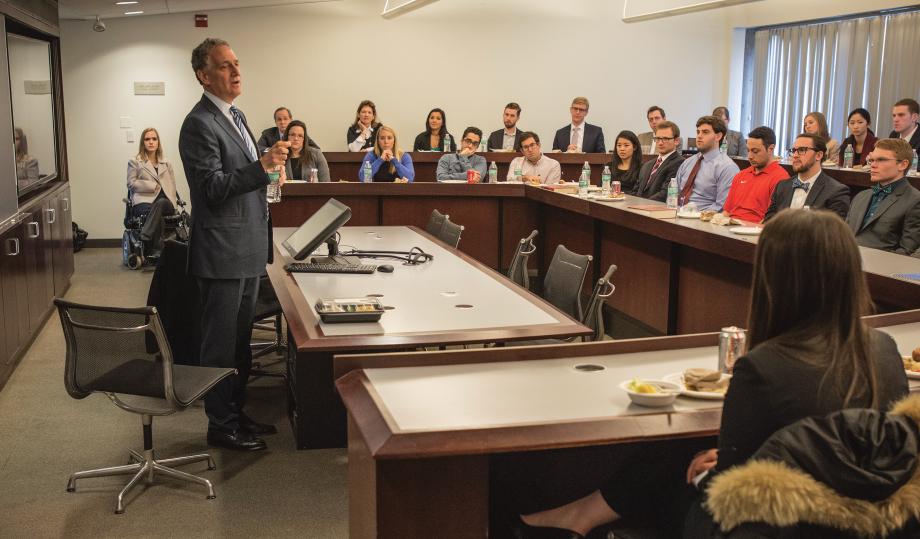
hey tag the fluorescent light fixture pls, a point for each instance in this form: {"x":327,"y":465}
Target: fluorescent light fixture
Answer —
{"x":393,"y":8}
{"x":680,"y":10}
{"x":125,"y":3}
{"x":133,"y":12}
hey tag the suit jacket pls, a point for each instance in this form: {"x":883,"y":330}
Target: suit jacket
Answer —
{"x":271,"y":135}
{"x":736,"y":143}
{"x":497,"y":139}
{"x":591,"y":142}
{"x":826,"y":194}
{"x":146,"y":182}
{"x":895,"y":225}
{"x":656,"y":187}
{"x":230,"y":226}
{"x":645,"y":139}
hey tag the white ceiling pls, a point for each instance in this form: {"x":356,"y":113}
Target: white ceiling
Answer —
{"x":89,"y":9}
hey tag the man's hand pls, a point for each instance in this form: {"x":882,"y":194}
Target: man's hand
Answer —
{"x":466,"y":152}
{"x":532,"y":179}
{"x":573,"y":148}
{"x":275,"y":156}
{"x":477,"y":177}
{"x":702,"y":462}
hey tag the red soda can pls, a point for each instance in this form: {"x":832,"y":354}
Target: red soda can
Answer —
{"x":470,"y":176}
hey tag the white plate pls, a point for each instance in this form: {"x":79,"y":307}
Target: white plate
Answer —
{"x":745,"y":230}
{"x":678,"y":378}
{"x":913,"y":374}
{"x":452,"y":181}
{"x":606,"y":199}
{"x":688,"y":215}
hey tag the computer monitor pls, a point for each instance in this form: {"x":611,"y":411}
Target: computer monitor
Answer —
{"x":320,"y":227}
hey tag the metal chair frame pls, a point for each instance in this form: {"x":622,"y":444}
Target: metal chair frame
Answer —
{"x":517,"y":271}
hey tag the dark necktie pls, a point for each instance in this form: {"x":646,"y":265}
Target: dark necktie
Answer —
{"x":798,"y":184}
{"x":688,"y":186}
{"x":244,"y":133}
{"x":655,"y":168}
{"x":879,"y":193}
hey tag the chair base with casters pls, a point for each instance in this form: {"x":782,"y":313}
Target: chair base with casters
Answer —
{"x":268,"y":317}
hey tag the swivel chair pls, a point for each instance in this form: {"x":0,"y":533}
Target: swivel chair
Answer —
{"x":517,"y":270}
{"x":450,"y":233}
{"x":435,"y":222}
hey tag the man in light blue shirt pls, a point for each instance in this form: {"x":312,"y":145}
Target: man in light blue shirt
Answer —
{"x":454,"y":166}
{"x":706,"y":178}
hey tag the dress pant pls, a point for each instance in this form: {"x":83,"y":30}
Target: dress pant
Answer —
{"x":152,"y":231}
{"x":227,"y":307}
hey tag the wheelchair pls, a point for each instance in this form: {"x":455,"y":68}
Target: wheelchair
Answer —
{"x":133,"y":250}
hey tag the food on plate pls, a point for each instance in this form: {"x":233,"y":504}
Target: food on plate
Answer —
{"x":705,"y":380}
{"x":642,"y":387}
{"x":911,"y":364}
{"x":916,"y":354}
{"x":721,"y":219}
{"x":706,"y":215}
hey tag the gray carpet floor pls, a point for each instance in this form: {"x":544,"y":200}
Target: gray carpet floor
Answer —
{"x":45,"y":435}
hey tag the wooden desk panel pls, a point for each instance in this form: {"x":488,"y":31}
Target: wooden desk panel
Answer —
{"x":713,"y":292}
{"x":519,"y":217}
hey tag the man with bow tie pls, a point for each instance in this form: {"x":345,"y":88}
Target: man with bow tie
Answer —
{"x":810,"y":187}
{"x":888,"y":215}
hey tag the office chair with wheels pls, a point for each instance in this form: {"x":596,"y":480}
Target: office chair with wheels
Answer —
{"x":517,"y":271}
{"x":594,"y":312}
{"x":450,"y":233}
{"x":564,"y":277}
{"x":110,"y":350}
{"x":435,"y":222}
{"x":268,"y":317}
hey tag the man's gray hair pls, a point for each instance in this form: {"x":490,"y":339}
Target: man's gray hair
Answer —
{"x":202,"y":52}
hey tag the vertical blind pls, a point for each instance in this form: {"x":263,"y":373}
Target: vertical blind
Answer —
{"x":833,"y":67}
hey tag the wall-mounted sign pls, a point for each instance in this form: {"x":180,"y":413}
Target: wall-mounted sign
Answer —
{"x":149,"y":88}
{"x":37,"y":87}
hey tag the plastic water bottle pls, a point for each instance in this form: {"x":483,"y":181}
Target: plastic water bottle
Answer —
{"x":672,"y":193}
{"x":518,"y":174}
{"x":482,"y":147}
{"x":605,"y":181}
{"x":367,"y":176}
{"x":493,"y":172}
{"x":447,"y":143}
{"x":913,"y":164}
{"x":583,"y":182}
{"x":724,"y":147}
{"x":273,"y":191}
{"x":586,"y":170}
{"x":848,"y":157}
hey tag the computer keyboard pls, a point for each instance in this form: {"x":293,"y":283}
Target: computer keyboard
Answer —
{"x":306,"y":267}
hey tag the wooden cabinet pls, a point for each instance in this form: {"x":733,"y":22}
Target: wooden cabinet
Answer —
{"x":59,"y":218}
{"x":14,"y":311}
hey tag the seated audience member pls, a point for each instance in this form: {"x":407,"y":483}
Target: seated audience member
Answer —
{"x":655,"y":175}
{"x":887,"y":216}
{"x":734,"y":141}
{"x":361,"y":134}
{"x":816,"y":124}
{"x":432,"y":138}
{"x":152,"y":184}
{"x":810,"y":186}
{"x":810,"y":354}
{"x":535,"y":167}
{"x":454,"y":166}
{"x":388,"y":162}
{"x":580,"y":136}
{"x":627,"y":160}
{"x":705,"y":179}
{"x":273,"y":134}
{"x":26,"y":165}
{"x":301,"y":157}
{"x":861,"y":140}
{"x":752,"y":188}
{"x":654,"y":115}
{"x":904,"y":118}
{"x":509,"y":138}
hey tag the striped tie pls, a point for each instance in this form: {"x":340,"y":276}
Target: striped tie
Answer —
{"x":238,"y":120}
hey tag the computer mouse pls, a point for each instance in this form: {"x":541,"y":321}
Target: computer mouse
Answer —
{"x":385,"y":268}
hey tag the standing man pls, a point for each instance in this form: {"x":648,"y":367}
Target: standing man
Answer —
{"x":454,"y":166}
{"x":904,"y":118}
{"x":535,"y":167}
{"x":654,"y":115}
{"x":810,"y":187}
{"x":705,"y":178}
{"x":888,"y":215}
{"x":655,"y":175}
{"x":752,"y":189}
{"x":580,"y":136}
{"x":230,"y":240}
{"x":509,"y":138}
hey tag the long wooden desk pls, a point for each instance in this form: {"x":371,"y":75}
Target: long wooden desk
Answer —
{"x":424,"y":428}
{"x":450,"y":300}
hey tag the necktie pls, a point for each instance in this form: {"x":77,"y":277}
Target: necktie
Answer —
{"x":798,"y":184}
{"x":688,"y":187}
{"x":655,"y":168}
{"x":878,"y":188}
{"x":574,"y":141}
{"x":244,"y":133}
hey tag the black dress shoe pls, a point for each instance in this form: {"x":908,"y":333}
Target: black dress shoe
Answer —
{"x":523,"y":530}
{"x":238,"y":441}
{"x":257,"y":429}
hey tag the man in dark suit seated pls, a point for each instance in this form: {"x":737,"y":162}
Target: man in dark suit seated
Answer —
{"x":905,"y":115}
{"x":810,"y":187}
{"x":887,"y":216}
{"x":509,"y":138}
{"x":655,"y":174}
{"x":273,"y":134}
{"x":580,"y":136}
{"x":230,"y":240}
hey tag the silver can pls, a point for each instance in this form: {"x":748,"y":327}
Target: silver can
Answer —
{"x":732,"y":345}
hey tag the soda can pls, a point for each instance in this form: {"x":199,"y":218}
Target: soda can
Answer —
{"x":616,"y":188}
{"x":470,"y":176}
{"x":732,"y":345}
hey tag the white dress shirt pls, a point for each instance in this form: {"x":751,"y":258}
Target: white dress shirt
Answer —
{"x":799,"y":195}
{"x":225,"y":110}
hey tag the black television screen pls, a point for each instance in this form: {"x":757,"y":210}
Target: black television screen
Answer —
{"x":317,"y":229}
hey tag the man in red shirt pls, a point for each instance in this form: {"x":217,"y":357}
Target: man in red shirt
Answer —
{"x":749,"y":197}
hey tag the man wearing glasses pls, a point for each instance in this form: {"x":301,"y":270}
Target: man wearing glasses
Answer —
{"x":749,"y":197}
{"x":454,"y":166}
{"x":655,"y":174}
{"x":810,"y":187}
{"x":887,"y":216}
{"x":705,"y":178}
{"x":535,"y":167}
{"x":580,"y":136}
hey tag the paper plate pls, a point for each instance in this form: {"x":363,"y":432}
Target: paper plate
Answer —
{"x":688,"y":215}
{"x":678,"y":378}
{"x":745,"y":230}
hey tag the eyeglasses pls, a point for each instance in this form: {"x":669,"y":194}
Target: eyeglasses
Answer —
{"x":579,"y":109}
{"x":800,"y":151}
{"x":880,"y":160}
{"x":471,"y":142}
{"x":664,"y":139}
{"x":529,"y":146}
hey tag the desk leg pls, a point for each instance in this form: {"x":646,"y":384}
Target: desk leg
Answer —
{"x":314,"y":408}
{"x":447,"y":498}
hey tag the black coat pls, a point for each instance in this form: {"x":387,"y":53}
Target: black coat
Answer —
{"x":825,"y":194}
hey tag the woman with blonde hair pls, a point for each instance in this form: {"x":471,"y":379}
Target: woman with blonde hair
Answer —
{"x":816,"y":124}
{"x":388,"y":162}
{"x":151,"y":188}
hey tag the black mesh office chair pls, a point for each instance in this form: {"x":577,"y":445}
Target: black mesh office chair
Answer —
{"x":517,"y":271}
{"x":109,"y":350}
{"x":435,"y":222}
{"x":563,"y":280}
{"x":268,"y":317}
{"x":450,"y":233}
{"x":594,"y":312}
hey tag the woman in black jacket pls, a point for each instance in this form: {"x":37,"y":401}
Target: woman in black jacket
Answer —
{"x":432,"y":138}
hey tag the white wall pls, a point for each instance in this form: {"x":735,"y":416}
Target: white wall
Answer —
{"x":469,"y":58}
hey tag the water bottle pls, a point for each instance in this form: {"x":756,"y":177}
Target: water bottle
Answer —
{"x":586,"y":170}
{"x":273,"y":191}
{"x":913,"y":164}
{"x":482,"y":147}
{"x":518,"y":174}
{"x":583,"y":182}
{"x":447,"y":143}
{"x":672,"y":193}
{"x":724,"y":147}
{"x":367,"y":176}
{"x":605,"y":181}
{"x":848,"y":157}
{"x":493,"y":172}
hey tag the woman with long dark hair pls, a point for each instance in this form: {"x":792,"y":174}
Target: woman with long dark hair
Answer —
{"x":302,"y":158}
{"x":432,"y":138}
{"x":862,"y":140}
{"x":627,"y":160}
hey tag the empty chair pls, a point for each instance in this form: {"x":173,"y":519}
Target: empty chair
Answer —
{"x":268,"y":317}
{"x":564,"y":277}
{"x":517,"y":271}
{"x":124,"y":354}
{"x":450,"y":233}
{"x":435,"y":222}
{"x":594,"y":312}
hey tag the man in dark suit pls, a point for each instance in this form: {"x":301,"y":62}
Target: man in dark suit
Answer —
{"x":888,"y":215}
{"x":905,"y":118}
{"x":810,"y":187}
{"x":655,"y":174}
{"x":273,"y":134}
{"x":230,"y":239}
{"x":580,"y":136}
{"x":509,"y":138}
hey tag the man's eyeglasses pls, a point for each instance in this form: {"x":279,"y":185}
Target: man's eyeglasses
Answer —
{"x":879,"y":160}
{"x":529,"y":146}
{"x":471,"y":142}
{"x":664,"y":139}
{"x":802,"y":150}
{"x":579,"y":109}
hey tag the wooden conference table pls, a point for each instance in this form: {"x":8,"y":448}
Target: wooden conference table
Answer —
{"x":450,"y":300}
{"x":424,"y":428}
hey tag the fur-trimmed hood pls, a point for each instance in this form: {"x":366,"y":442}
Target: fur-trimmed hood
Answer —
{"x":783,"y":492}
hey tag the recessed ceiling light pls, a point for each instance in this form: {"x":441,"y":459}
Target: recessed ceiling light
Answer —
{"x":133,"y":12}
